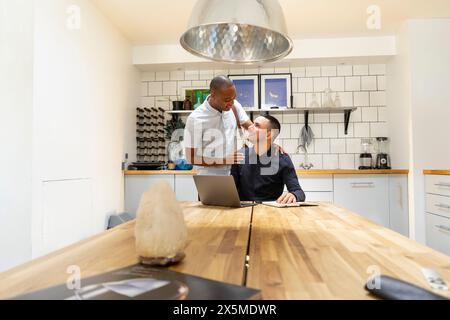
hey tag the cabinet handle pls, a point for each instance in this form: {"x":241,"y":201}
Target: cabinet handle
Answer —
{"x":443,"y":206}
{"x":443,"y":228}
{"x":442,"y":184}
{"x":362,"y":184}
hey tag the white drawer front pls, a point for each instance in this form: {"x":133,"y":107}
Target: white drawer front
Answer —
{"x":366,"y":195}
{"x":438,"y":233}
{"x":316,"y":183}
{"x":319,"y":196}
{"x":439,"y":205}
{"x":437,"y":184}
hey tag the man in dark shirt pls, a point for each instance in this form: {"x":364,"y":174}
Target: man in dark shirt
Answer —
{"x":265,"y":171}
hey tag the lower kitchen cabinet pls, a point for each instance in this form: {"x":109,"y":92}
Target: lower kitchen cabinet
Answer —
{"x":398,"y":203}
{"x":135,"y":186}
{"x":367,"y":195}
{"x":438,"y":233}
{"x":317,"y":187}
{"x":185,"y":188}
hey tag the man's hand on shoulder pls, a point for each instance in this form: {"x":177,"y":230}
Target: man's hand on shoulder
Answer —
{"x":287,"y":198}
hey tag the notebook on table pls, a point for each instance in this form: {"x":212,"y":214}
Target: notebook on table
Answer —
{"x":144,"y":283}
{"x":289,"y":205}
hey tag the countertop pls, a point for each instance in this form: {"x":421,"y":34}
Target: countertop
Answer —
{"x":299,"y":172}
{"x":323,"y":252}
{"x":438,"y":172}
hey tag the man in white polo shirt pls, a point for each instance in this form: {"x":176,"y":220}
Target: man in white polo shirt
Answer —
{"x":210,"y":134}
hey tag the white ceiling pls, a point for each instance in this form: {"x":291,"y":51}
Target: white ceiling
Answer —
{"x":163,"y":21}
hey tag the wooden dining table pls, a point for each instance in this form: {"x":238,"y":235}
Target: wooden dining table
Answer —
{"x":321,"y":252}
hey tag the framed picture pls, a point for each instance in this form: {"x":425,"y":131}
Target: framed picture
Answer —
{"x":247,"y":90}
{"x":276,"y":91}
{"x":196,"y":95}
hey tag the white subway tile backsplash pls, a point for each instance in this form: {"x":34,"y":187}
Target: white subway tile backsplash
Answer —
{"x":345,"y":70}
{"x":378,"y":129}
{"x":381,"y":81}
{"x":361,"y":99}
{"x":377,"y":69}
{"x":155,"y":88}
{"x":329,"y":130}
{"x":330,"y":161}
{"x":346,"y":99}
{"x":362,"y":86}
{"x":322,"y":146}
{"x":191,"y":75}
{"x":341,"y":130}
{"x":361,"y":129}
{"x":337,"y":146}
{"x":298,"y":72}
{"x":313,"y":71}
{"x":369,"y":83}
{"x":378,"y":98}
{"x":144,"y":89}
{"x":206,"y":75}
{"x":337,"y":84}
{"x":353,"y":145}
{"x":361,"y":70}
{"x":177,"y":75}
{"x":148,"y":76}
{"x":290,"y":118}
{"x":305,"y":85}
{"x":147,"y":102}
{"x":162,"y":76}
{"x":170,"y":88}
{"x":299,"y":100}
{"x":369,"y":114}
{"x":290,"y":145}
{"x":346,"y":161}
{"x":328,"y":71}
{"x":320,"y":84}
{"x":382,"y":114}
{"x":352,"y":83}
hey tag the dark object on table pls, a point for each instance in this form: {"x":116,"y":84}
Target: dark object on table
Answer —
{"x":390,"y":288}
{"x":178,"y":105}
{"x":143,"y":283}
{"x":146,"y":166}
{"x":118,"y":219}
{"x":162,"y":262}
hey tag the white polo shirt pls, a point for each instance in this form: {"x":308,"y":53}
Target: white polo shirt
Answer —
{"x":213,"y":134}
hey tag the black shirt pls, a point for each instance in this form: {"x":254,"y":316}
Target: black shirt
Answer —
{"x":262,"y":178}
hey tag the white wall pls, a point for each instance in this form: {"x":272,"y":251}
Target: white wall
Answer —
{"x":418,"y":103}
{"x":86,"y":92}
{"x":16,"y":88}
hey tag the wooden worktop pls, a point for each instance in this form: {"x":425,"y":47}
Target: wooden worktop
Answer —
{"x":439,"y":172}
{"x":299,"y":172}
{"x":217,"y":248}
{"x":299,"y":253}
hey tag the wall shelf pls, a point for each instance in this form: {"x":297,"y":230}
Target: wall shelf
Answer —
{"x":346,"y":111}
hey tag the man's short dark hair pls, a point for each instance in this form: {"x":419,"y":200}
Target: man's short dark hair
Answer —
{"x":220,"y":82}
{"x":274,"y":124}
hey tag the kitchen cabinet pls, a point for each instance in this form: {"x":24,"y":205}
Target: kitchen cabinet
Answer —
{"x":367,"y":195}
{"x":317,"y":187}
{"x":185,"y":188}
{"x":398,"y":203}
{"x":136,"y":185}
{"x":437,"y":217}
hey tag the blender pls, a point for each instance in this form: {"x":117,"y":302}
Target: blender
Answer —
{"x":365,"y":158}
{"x":383,"y":160}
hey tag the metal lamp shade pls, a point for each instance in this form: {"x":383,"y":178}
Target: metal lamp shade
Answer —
{"x":237,"y":31}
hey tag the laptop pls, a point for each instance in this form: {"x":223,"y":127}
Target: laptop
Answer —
{"x":219,"y":191}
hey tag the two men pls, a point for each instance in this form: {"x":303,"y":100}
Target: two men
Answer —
{"x":211,"y":144}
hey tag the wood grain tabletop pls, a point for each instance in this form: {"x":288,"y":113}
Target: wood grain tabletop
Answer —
{"x":328,"y":252}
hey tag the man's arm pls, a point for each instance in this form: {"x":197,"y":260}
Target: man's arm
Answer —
{"x":290,"y":179}
{"x":199,"y":160}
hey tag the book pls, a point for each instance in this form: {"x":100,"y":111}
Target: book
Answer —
{"x":139,"y":282}
{"x":289,"y":205}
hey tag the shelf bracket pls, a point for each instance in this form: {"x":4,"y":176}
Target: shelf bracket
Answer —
{"x":306,"y":119}
{"x":347,"y":114}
